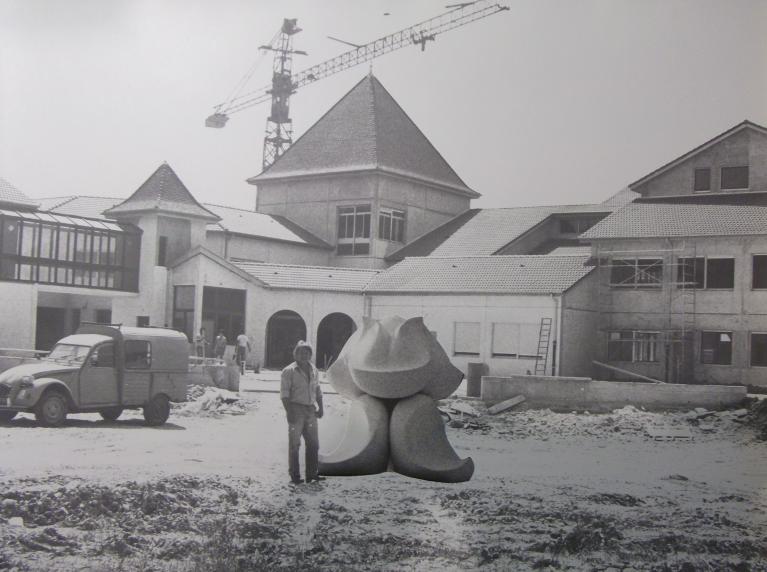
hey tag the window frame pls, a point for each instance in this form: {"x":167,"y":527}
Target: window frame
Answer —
{"x":393,"y":214}
{"x":721,"y":177}
{"x":751,"y":349}
{"x":148,"y":354}
{"x":702,"y":272}
{"x":360,"y":245}
{"x":637,"y":343}
{"x":720,"y":332}
{"x":478,"y":337}
{"x":753,"y":271}
{"x":635,"y":283}
{"x":695,"y":172}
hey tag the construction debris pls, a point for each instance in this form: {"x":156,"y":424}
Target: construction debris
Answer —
{"x":505,"y":405}
{"x":206,"y":401}
{"x":668,"y":433}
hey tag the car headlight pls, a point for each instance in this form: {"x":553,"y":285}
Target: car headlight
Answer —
{"x":27,"y":381}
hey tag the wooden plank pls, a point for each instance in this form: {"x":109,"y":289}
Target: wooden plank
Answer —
{"x":627,"y":372}
{"x":505,"y":405}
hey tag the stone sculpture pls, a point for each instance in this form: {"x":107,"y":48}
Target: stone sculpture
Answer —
{"x":394,"y":370}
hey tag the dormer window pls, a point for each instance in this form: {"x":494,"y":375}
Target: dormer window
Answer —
{"x":702,"y":180}
{"x":734,"y":178}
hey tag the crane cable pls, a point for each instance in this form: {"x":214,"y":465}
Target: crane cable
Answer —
{"x":236,"y":91}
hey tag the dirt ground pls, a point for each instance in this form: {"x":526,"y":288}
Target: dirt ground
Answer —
{"x":551,"y":491}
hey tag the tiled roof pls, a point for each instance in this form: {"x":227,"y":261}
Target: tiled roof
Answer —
{"x":308,"y":277}
{"x":483,"y":274}
{"x":648,"y":220}
{"x":251,"y":223}
{"x":366,"y":129}
{"x":91,"y":207}
{"x":480,"y":232}
{"x":162,"y":191}
{"x":10,"y":195}
{"x":622,"y":197}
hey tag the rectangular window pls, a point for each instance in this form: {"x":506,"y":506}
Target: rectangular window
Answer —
{"x":576,"y":226}
{"x":142,"y":321}
{"x":691,"y":272}
{"x":391,"y":225}
{"x":505,"y":340}
{"x":702,"y":180}
{"x":734,"y":177}
{"x":720,"y":273}
{"x":759,"y":274}
{"x":353,"y":230}
{"x":138,"y":354}
{"x":466,"y":339}
{"x":636,"y":272}
{"x":759,"y":349}
{"x":716,"y":348}
{"x":162,"y":250}
{"x":103,"y":316}
{"x":632,"y":346}
{"x":706,"y":273}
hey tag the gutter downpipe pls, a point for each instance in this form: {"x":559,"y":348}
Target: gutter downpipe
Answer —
{"x":557,"y":354}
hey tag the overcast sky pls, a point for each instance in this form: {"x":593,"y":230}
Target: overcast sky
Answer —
{"x":550,"y":102}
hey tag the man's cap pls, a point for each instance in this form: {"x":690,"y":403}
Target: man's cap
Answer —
{"x":302,"y":344}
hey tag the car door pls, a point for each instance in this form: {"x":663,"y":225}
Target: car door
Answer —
{"x":98,"y":377}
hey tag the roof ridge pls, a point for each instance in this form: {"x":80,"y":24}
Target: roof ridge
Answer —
{"x":344,"y":268}
{"x":493,"y":256}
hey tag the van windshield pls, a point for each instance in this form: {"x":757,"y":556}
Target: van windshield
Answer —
{"x":69,"y":353}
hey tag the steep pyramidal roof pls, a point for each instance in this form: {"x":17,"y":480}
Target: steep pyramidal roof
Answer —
{"x":366,"y":129}
{"x":162,"y":191}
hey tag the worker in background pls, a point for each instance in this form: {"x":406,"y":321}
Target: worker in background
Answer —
{"x":200,"y":343}
{"x":243,"y":347}
{"x":302,"y":399}
{"x":219,"y":345}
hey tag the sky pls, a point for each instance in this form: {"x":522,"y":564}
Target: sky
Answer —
{"x":551,"y":102}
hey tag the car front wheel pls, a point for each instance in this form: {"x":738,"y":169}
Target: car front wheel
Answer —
{"x":52,"y":409}
{"x":156,"y":412}
{"x":110,"y":413}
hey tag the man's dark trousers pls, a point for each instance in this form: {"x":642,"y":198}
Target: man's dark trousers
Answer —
{"x":304,"y":424}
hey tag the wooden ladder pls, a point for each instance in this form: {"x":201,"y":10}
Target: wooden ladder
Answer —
{"x":544,"y":337}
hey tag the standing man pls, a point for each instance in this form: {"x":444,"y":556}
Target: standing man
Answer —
{"x":302,"y":399}
{"x":243,"y":347}
{"x":219,"y":345}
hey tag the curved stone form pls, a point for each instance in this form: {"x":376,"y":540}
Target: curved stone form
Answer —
{"x":339,"y":375}
{"x":392,"y":357}
{"x":418,"y":445}
{"x":446,"y":378}
{"x":364,"y":449}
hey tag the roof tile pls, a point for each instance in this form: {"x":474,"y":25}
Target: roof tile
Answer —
{"x":12,"y":196}
{"x":649,"y":220}
{"x":483,"y":274}
{"x":308,"y":277}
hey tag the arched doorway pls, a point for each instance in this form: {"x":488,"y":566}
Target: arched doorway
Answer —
{"x":332,"y":333}
{"x":284,"y":329}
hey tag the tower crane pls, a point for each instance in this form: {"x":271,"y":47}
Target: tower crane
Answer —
{"x":279,"y":125}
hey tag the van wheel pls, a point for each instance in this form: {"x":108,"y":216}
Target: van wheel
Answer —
{"x":156,"y":412}
{"x":51,"y":409}
{"x":6,"y":416}
{"x":110,"y":413}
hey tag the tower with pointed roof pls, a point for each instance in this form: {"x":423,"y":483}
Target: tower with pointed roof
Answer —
{"x":364,"y":178}
{"x":172,"y":223}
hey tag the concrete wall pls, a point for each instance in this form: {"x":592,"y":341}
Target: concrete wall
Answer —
{"x":19,"y":316}
{"x":577,"y":394}
{"x":741,"y":309}
{"x":261,"y":250}
{"x":179,"y":235}
{"x":441,"y":312}
{"x":580,"y":319}
{"x":747,"y":147}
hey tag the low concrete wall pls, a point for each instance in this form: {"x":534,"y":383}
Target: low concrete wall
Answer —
{"x":569,"y":394}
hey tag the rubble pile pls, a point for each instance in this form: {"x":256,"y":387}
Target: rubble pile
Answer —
{"x":757,"y":418}
{"x":206,"y":401}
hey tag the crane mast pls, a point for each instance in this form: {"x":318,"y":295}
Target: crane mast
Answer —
{"x":279,"y":126}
